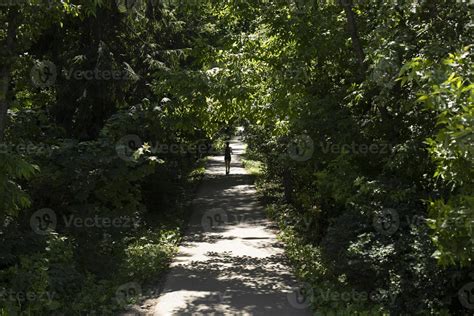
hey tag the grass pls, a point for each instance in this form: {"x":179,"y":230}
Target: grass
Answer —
{"x":252,"y":164}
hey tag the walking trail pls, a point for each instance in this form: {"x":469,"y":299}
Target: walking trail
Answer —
{"x":230,"y":262}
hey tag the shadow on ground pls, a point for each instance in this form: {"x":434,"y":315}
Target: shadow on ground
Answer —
{"x":230,"y":262}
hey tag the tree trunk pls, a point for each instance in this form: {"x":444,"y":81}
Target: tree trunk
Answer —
{"x":4,"y":82}
{"x":358,"y":49}
{"x":5,"y":68}
{"x":288,"y":185}
{"x":352,"y":28}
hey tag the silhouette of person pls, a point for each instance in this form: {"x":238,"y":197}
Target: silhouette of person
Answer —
{"x":227,"y":157}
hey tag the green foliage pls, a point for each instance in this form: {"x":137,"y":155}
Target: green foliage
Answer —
{"x":447,"y":88}
{"x":147,"y":257}
{"x":12,"y":197}
{"x":253,"y":167}
{"x":412,"y":106}
{"x":85,"y":171}
{"x":289,"y":72}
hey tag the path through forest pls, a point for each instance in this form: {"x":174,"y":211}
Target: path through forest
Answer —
{"x":230,"y":262}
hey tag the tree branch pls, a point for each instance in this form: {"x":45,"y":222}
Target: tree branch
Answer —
{"x":8,"y":48}
{"x":353,"y":31}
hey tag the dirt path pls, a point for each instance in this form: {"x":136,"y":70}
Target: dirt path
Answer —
{"x":230,"y":262}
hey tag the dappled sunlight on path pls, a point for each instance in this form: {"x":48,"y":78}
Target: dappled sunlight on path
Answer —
{"x":230,"y":262}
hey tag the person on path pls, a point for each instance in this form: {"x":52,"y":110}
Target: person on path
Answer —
{"x":227,"y":157}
